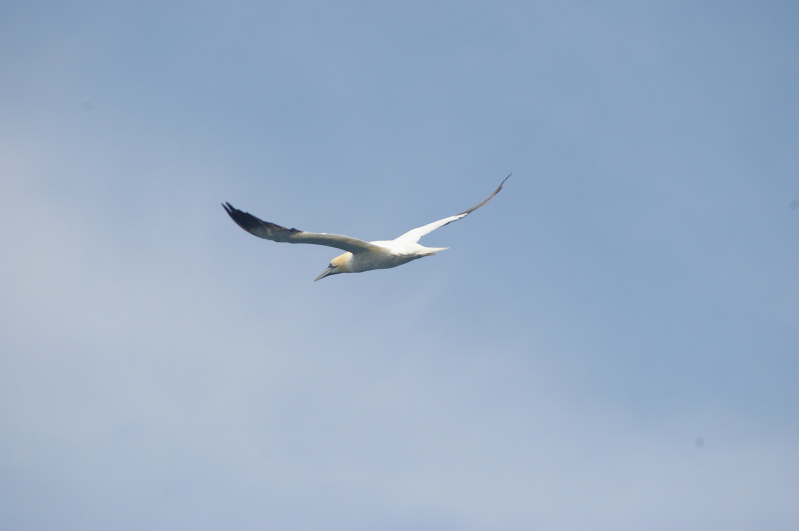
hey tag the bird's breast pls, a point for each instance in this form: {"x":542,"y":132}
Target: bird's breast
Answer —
{"x":384,"y":258}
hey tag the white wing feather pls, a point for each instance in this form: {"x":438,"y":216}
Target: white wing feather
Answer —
{"x":415,"y":234}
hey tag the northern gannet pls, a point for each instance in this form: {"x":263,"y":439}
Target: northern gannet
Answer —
{"x":361,"y":255}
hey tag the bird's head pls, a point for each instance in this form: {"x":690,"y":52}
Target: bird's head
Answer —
{"x":339,"y":264}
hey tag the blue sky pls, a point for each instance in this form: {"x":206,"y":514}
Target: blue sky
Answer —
{"x":611,"y":343}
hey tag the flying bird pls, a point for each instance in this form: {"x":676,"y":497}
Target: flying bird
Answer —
{"x":360,"y":255}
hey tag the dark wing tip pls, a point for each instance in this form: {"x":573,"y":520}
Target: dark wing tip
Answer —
{"x":487,"y":199}
{"x":244,"y":220}
{"x":235,"y":213}
{"x":258,"y":227}
{"x":500,"y":185}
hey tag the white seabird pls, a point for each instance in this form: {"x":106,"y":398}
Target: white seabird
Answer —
{"x":361,"y":255}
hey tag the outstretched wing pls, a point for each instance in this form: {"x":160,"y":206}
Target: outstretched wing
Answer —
{"x":276,"y":233}
{"x":415,"y":234}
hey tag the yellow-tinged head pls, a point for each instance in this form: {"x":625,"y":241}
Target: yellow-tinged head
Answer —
{"x":339,"y":264}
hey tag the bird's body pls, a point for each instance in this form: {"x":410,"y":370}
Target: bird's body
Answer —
{"x":387,"y":254}
{"x":361,"y":255}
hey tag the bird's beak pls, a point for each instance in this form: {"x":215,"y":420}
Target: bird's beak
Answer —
{"x":326,"y":272}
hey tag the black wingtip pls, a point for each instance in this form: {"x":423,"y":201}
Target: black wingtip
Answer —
{"x":244,"y":220}
{"x":500,"y":185}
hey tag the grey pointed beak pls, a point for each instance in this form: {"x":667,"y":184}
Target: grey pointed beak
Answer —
{"x":328,"y":271}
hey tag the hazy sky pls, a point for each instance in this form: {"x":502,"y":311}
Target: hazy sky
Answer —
{"x":611,"y":344}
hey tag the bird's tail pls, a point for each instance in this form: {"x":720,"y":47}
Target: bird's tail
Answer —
{"x":430,"y":251}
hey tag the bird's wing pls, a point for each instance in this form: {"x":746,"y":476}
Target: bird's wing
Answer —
{"x":415,"y":234}
{"x":276,"y":233}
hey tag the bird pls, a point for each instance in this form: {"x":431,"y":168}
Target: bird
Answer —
{"x":360,"y":255}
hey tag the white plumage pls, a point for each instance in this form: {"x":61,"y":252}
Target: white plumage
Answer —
{"x":361,"y":255}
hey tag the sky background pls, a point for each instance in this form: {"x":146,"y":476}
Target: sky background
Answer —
{"x":612,"y":343}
